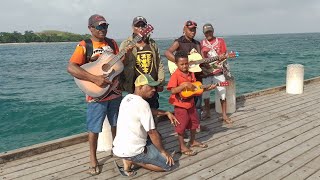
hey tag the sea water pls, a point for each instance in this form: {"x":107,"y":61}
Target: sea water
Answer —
{"x":39,"y":100}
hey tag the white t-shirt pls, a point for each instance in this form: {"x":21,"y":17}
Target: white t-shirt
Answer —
{"x":134,"y":121}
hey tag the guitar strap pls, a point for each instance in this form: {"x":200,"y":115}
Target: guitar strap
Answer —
{"x":89,"y":47}
{"x":209,"y":45}
{"x":212,"y":52}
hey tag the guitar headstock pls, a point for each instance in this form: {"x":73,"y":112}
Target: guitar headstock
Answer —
{"x":146,"y":30}
{"x":225,"y":83}
{"x":232,"y":54}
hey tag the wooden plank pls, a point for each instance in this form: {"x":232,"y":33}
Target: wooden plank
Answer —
{"x":66,"y":151}
{"x":305,"y":171}
{"x":45,"y":163}
{"x":288,"y":167}
{"x":291,"y":138}
{"x":215,"y":147}
{"x":315,"y":176}
{"x":256,"y":167}
{"x":281,"y":104}
{"x":42,"y":147}
{"x":235,"y":135}
{"x":247,"y":143}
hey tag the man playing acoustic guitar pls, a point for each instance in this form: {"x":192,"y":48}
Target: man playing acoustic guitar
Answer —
{"x":212,"y":46}
{"x":184,"y":109}
{"x":108,"y":106}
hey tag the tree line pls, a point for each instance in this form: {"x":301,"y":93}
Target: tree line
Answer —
{"x":45,"y":36}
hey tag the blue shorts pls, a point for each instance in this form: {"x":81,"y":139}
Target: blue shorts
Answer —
{"x":98,"y":111}
{"x":151,"y":156}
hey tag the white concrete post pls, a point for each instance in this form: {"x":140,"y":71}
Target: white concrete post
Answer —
{"x":294,"y":84}
{"x":105,"y":137}
{"x":230,"y":97}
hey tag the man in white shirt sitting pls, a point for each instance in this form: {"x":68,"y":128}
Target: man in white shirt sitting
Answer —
{"x":135,"y":124}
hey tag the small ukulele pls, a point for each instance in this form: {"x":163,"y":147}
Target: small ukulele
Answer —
{"x":198,"y":90}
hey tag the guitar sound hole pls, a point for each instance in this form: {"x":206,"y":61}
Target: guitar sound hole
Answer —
{"x":105,"y":67}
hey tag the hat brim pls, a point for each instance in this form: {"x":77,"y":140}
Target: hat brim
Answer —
{"x":99,"y":23}
{"x":192,"y":26}
{"x":155,"y":83}
{"x":208,"y":30}
{"x":135,"y":23}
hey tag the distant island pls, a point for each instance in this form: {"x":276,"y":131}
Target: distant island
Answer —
{"x":44,"y":36}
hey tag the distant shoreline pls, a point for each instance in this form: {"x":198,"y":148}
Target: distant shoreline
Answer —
{"x":24,"y":43}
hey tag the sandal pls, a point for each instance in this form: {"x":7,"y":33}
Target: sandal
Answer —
{"x":189,"y":153}
{"x":94,"y":170}
{"x":125,"y":173}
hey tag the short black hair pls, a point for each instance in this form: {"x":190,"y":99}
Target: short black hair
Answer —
{"x":180,"y":54}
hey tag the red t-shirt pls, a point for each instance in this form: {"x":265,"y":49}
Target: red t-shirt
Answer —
{"x":79,"y":57}
{"x":176,"y":79}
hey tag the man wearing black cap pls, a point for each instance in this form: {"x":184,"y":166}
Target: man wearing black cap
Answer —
{"x":85,"y":52}
{"x":144,"y":58}
{"x":213,"y":46}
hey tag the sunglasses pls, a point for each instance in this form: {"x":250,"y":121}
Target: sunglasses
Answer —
{"x":191,"y":23}
{"x":101,"y":27}
{"x":140,"y":25}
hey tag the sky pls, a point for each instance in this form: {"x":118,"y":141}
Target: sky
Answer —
{"x":229,"y":17}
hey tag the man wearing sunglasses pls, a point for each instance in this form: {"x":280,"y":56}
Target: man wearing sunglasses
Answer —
{"x":187,"y":43}
{"x":144,"y":58}
{"x":85,"y":52}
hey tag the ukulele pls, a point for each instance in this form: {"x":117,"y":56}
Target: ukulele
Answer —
{"x":199,"y":88}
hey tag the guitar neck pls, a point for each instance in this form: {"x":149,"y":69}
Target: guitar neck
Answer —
{"x":208,"y":60}
{"x":208,"y":85}
{"x":123,"y":51}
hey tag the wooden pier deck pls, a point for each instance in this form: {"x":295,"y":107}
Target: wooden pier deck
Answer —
{"x":274,"y":136}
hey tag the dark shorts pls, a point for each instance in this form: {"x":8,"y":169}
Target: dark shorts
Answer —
{"x":98,"y":111}
{"x":154,"y":101}
{"x":151,"y":155}
{"x":188,"y":119}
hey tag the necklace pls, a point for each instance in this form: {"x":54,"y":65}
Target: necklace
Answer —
{"x":211,"y":46}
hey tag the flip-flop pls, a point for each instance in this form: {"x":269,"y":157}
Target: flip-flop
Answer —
{"x":201,"y":145}
{"x":123,"y":172}
{"x":228,"y":121}
{"x":189,"y":153}
{"x":94,"y":170}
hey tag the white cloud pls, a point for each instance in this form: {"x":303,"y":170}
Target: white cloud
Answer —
{"x":167,"y":16}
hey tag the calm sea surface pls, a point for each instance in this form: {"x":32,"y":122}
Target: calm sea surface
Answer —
{"x":39,"y":100}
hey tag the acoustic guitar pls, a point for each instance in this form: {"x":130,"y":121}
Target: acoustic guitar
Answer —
{"x":199,"y":88}
{"x":108,"y":65}
{"x":195,"y":59}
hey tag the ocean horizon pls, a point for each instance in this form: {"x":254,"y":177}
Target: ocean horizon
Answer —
{"x":40,"y":102}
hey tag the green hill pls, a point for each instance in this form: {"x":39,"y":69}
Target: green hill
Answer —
{"x":44,"y":36}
